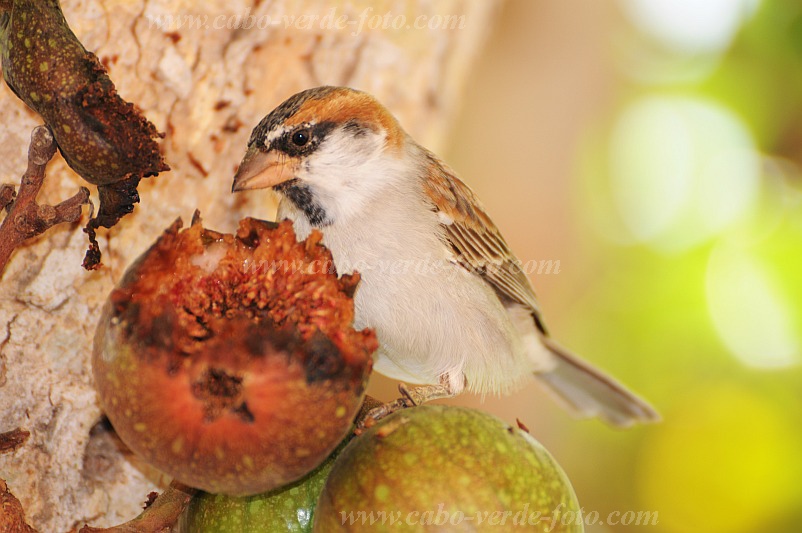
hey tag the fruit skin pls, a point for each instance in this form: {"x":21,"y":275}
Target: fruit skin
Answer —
{"x":424,"y":465}
{"x":275,"y":441}
{"x":244,"y":404}
{"x":289,"y":509}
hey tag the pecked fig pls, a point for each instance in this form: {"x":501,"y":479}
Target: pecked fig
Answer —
{"x":230,"y":361}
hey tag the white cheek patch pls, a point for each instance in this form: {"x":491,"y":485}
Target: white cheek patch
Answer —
{"x":347,"y":172}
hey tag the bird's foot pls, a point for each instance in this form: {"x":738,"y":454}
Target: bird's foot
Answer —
{"x":377,"y":413}
{"x":410,"y":397}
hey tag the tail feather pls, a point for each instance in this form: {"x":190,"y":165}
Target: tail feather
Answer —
{"x":588,"y":392}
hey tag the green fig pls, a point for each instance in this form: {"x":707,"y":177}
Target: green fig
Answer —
{"x":442,"y":468}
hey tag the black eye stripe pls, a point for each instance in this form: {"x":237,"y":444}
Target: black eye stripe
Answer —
{"x":313,"y":133}
{"x":286,"y":110}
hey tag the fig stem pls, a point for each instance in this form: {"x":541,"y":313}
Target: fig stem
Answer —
{"x":160,"y":516}
{"x":25,"y":218}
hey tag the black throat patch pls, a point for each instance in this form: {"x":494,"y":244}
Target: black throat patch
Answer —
{"x":301,"y":196}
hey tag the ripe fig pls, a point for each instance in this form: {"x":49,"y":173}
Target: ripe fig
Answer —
{"x":442,"y":468}
{"x":230,"y":361}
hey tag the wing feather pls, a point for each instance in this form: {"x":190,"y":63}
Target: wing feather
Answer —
{"x":477,"y":243}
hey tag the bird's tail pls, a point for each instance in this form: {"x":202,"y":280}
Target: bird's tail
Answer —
{"x":589,"y":392}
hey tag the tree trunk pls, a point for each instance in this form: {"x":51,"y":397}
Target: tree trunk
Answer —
{"x":205,"y":88}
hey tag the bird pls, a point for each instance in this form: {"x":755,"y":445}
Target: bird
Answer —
{"x":450,"y":304}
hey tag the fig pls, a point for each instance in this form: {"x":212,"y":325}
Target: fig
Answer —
{"x":229,"y":361}
{"x":442,"y":468}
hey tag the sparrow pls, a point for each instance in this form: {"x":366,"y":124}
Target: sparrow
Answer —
{"x":450,"y":305}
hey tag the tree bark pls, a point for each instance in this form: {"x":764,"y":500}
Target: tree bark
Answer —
{"x":205,"y":88}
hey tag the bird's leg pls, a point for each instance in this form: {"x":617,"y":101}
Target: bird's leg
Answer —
{"x":411,"y":397}
{"x":425,"y":393}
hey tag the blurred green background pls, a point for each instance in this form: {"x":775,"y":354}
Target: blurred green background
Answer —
{"x":653,"y":148}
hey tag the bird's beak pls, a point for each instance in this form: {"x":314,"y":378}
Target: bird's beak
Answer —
{"x":261,"y":169}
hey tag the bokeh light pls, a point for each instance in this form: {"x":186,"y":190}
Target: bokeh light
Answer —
{"x":750,"y":311}
{"x":681,"y":170}
{"x":690,"y":26}
{"x":679,"y":227}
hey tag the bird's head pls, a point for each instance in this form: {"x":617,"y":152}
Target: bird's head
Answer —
{"x":329,"y":150}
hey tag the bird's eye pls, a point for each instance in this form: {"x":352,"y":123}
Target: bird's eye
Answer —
{"x":301,"y":137}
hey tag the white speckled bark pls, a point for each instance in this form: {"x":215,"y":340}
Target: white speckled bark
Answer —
{"x":206,"y":89}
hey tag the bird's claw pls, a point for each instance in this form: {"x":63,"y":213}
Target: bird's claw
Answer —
{"x":382,"y":411}
{"x":406,"y":395}
{"x":410,"y":397}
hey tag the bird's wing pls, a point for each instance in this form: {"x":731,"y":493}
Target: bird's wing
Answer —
{"x":477,"y":244}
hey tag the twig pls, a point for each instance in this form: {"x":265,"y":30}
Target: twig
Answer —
{"x":26,"y":218}
{"x":11,"y":440}
{"x":7,"y":195}
{"x":159,"y":516}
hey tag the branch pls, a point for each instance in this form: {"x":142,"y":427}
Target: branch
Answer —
{"x":26,"y":218}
